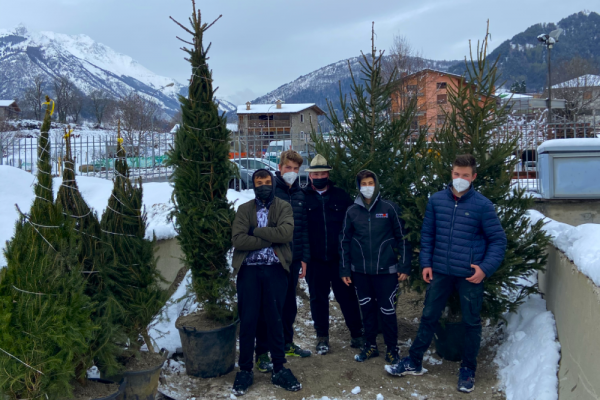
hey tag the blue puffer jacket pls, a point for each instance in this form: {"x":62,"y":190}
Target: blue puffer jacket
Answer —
{"x":458,"y":233}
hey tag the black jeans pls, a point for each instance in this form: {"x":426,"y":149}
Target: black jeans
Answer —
{"x":471,"y":299}
{"x":322,"y":277}
{"x":378,"y":293}
{"x":261,"y":289}
{"x":288,"y":316}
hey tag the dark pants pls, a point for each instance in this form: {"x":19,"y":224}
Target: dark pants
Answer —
{"x":471,"y":299}
{"x":261,"y":289}
{"x":290,"y":310}
{"x":322,"y":277}
{"x":378,"y":293}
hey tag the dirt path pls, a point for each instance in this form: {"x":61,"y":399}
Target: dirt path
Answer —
{"x":334,"y":375}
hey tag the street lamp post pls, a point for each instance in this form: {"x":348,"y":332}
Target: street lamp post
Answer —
{"x":549,"y":40}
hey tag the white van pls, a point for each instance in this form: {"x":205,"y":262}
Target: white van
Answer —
{"x":276,"y":148}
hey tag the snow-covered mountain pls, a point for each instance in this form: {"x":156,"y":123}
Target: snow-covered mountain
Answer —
{"x":89,"y":64}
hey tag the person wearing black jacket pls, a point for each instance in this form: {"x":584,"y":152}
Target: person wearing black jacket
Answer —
{"x":326,"y":207}
{"x":287,"y":188}
{"x":375,"y":255}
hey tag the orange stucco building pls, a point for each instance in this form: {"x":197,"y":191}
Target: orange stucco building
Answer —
{"x":430,"y":88}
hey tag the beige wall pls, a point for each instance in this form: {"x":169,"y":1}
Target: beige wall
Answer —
{"x":572,"y":212}
{"x":169,"y":263}
{"x":575,"y":302}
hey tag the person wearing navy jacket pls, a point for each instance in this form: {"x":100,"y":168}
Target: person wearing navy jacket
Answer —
{"x":375,"y":255}
{"x":462,"y":243}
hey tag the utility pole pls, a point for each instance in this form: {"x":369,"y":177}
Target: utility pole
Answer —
{"x":549,"y":40}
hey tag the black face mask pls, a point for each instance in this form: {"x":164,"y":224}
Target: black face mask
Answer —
{"x":321,"y":183}
{"x":263,"y":192}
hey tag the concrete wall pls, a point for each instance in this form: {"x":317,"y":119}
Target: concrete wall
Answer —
{"x":169,"y":263}
{"x":572,"y":212}
{"x":575,"y":302}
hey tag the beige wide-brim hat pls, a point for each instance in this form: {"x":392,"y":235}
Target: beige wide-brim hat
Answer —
{"x":319,"y":164}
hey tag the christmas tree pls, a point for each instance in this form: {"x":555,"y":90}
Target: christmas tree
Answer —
{"x":369,"y":137}
{"x":200,"y":155}
{"x":45,"y":323}
{"x":134,"y":282}
{"x":98,"y":268}
{"x":473,"y":126}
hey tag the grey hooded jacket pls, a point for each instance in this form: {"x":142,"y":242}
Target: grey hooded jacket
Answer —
{"x":373,"y":238}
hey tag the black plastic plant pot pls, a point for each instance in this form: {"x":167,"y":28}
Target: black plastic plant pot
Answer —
{"x":209,"y":354}
{"x":449,"y":340}
{"x":118,"y":395}
{"x":142,"y":385}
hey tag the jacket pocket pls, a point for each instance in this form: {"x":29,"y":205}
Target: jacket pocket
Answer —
{"x":387,"y":255}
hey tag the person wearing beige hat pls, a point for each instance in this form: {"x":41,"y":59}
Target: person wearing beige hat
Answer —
{"x":326,"y":207}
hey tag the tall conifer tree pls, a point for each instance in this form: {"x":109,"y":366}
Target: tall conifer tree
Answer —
{"x":45,"y":323}
{"x":200,"y":155}
{"x":135,"y":279}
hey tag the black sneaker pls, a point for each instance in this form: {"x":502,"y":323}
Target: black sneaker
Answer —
{"x":293,"y":350}
{"x":243,"y":380}
{"x":392,"y":355}
{"x":286,"y":380}
{"x":405,"y":367}
{"x":466,"y":380}
{"x":357,"y":342}
{"x":322,"y":345}
{"x":368,"y":351}
{"x":263,"y":363}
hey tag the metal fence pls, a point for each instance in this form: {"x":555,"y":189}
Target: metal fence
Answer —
{"x":95,"y":155}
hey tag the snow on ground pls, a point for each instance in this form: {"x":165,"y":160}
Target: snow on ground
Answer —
{"x":528,"y":358}
{"x":580,"y":243}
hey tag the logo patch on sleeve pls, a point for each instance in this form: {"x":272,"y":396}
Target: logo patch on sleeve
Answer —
{"x":381,"y":215}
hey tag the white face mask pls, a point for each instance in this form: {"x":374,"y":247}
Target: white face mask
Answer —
{"x":367,"y":191}
{"x":290,"y":177}
{"x":460,"y":184}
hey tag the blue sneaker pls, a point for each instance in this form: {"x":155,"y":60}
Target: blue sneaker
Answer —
{"x":466,"y":380}
{"x":405,"y":367}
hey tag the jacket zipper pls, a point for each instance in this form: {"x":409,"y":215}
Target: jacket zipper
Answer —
{"x":450,"y":243}
{"x":371,"y":243}
{"x":325,"y":223}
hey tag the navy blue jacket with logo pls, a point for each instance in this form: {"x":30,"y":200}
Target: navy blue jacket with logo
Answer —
{"x":458,"y":232}
{"x":372,"y":240}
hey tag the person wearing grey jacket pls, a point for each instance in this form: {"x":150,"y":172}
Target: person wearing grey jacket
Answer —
{"x":375,"y":255}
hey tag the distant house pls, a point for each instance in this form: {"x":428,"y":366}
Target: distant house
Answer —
{"x":9,"y":109}
{"x":261,"y":124}
{"x":583,"y":97}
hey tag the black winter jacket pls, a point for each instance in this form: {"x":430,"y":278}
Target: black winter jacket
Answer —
{"x":295,"y":196}
{"x":325,"y":219}
{"x":373,"y":238}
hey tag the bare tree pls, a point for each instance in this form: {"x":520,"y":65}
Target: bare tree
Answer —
{"x":33,"y":97}
{"x":580,"y":86}
{"x":64,"y":93}
{"x":76,"y":103}
{"x":137,"y":119}
{"x":7,"y":135}
{"x":102,"y":104}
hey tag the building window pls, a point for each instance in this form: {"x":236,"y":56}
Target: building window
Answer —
{"x":441,"y":85}
{"x":301,"y":118}
{"x":302,"y":135}
{"x":442,"y":98}
{"x":310,"y":118}
{"x":441,"y":119}
{"x":414,"y":124}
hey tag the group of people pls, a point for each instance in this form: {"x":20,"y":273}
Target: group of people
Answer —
{"x":358,"y":249}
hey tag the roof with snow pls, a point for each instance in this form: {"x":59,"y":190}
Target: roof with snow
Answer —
{"x":7,"y":103}
{"x":431,"y":70}
{"x":582,"y":81}
{"x":285,"y":109}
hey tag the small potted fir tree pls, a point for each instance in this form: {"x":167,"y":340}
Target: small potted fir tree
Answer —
{"x":203,"y":216}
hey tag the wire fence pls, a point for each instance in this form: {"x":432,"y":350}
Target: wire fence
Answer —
{"x":95,"y":155}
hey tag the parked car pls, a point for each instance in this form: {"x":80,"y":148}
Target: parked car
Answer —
{"x":246,"y":167}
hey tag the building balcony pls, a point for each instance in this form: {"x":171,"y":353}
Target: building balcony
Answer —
{"x":268,"y":124}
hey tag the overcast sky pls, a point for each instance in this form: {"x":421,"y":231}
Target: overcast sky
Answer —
{"x":262,"y":44}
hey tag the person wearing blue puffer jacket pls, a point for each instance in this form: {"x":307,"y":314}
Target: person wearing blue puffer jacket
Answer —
{"x":462,"y":243}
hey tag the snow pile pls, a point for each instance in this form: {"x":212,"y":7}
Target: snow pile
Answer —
{"x":356,"y":390}
{"x":528,"y":359}
{"x":580,"y":243}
